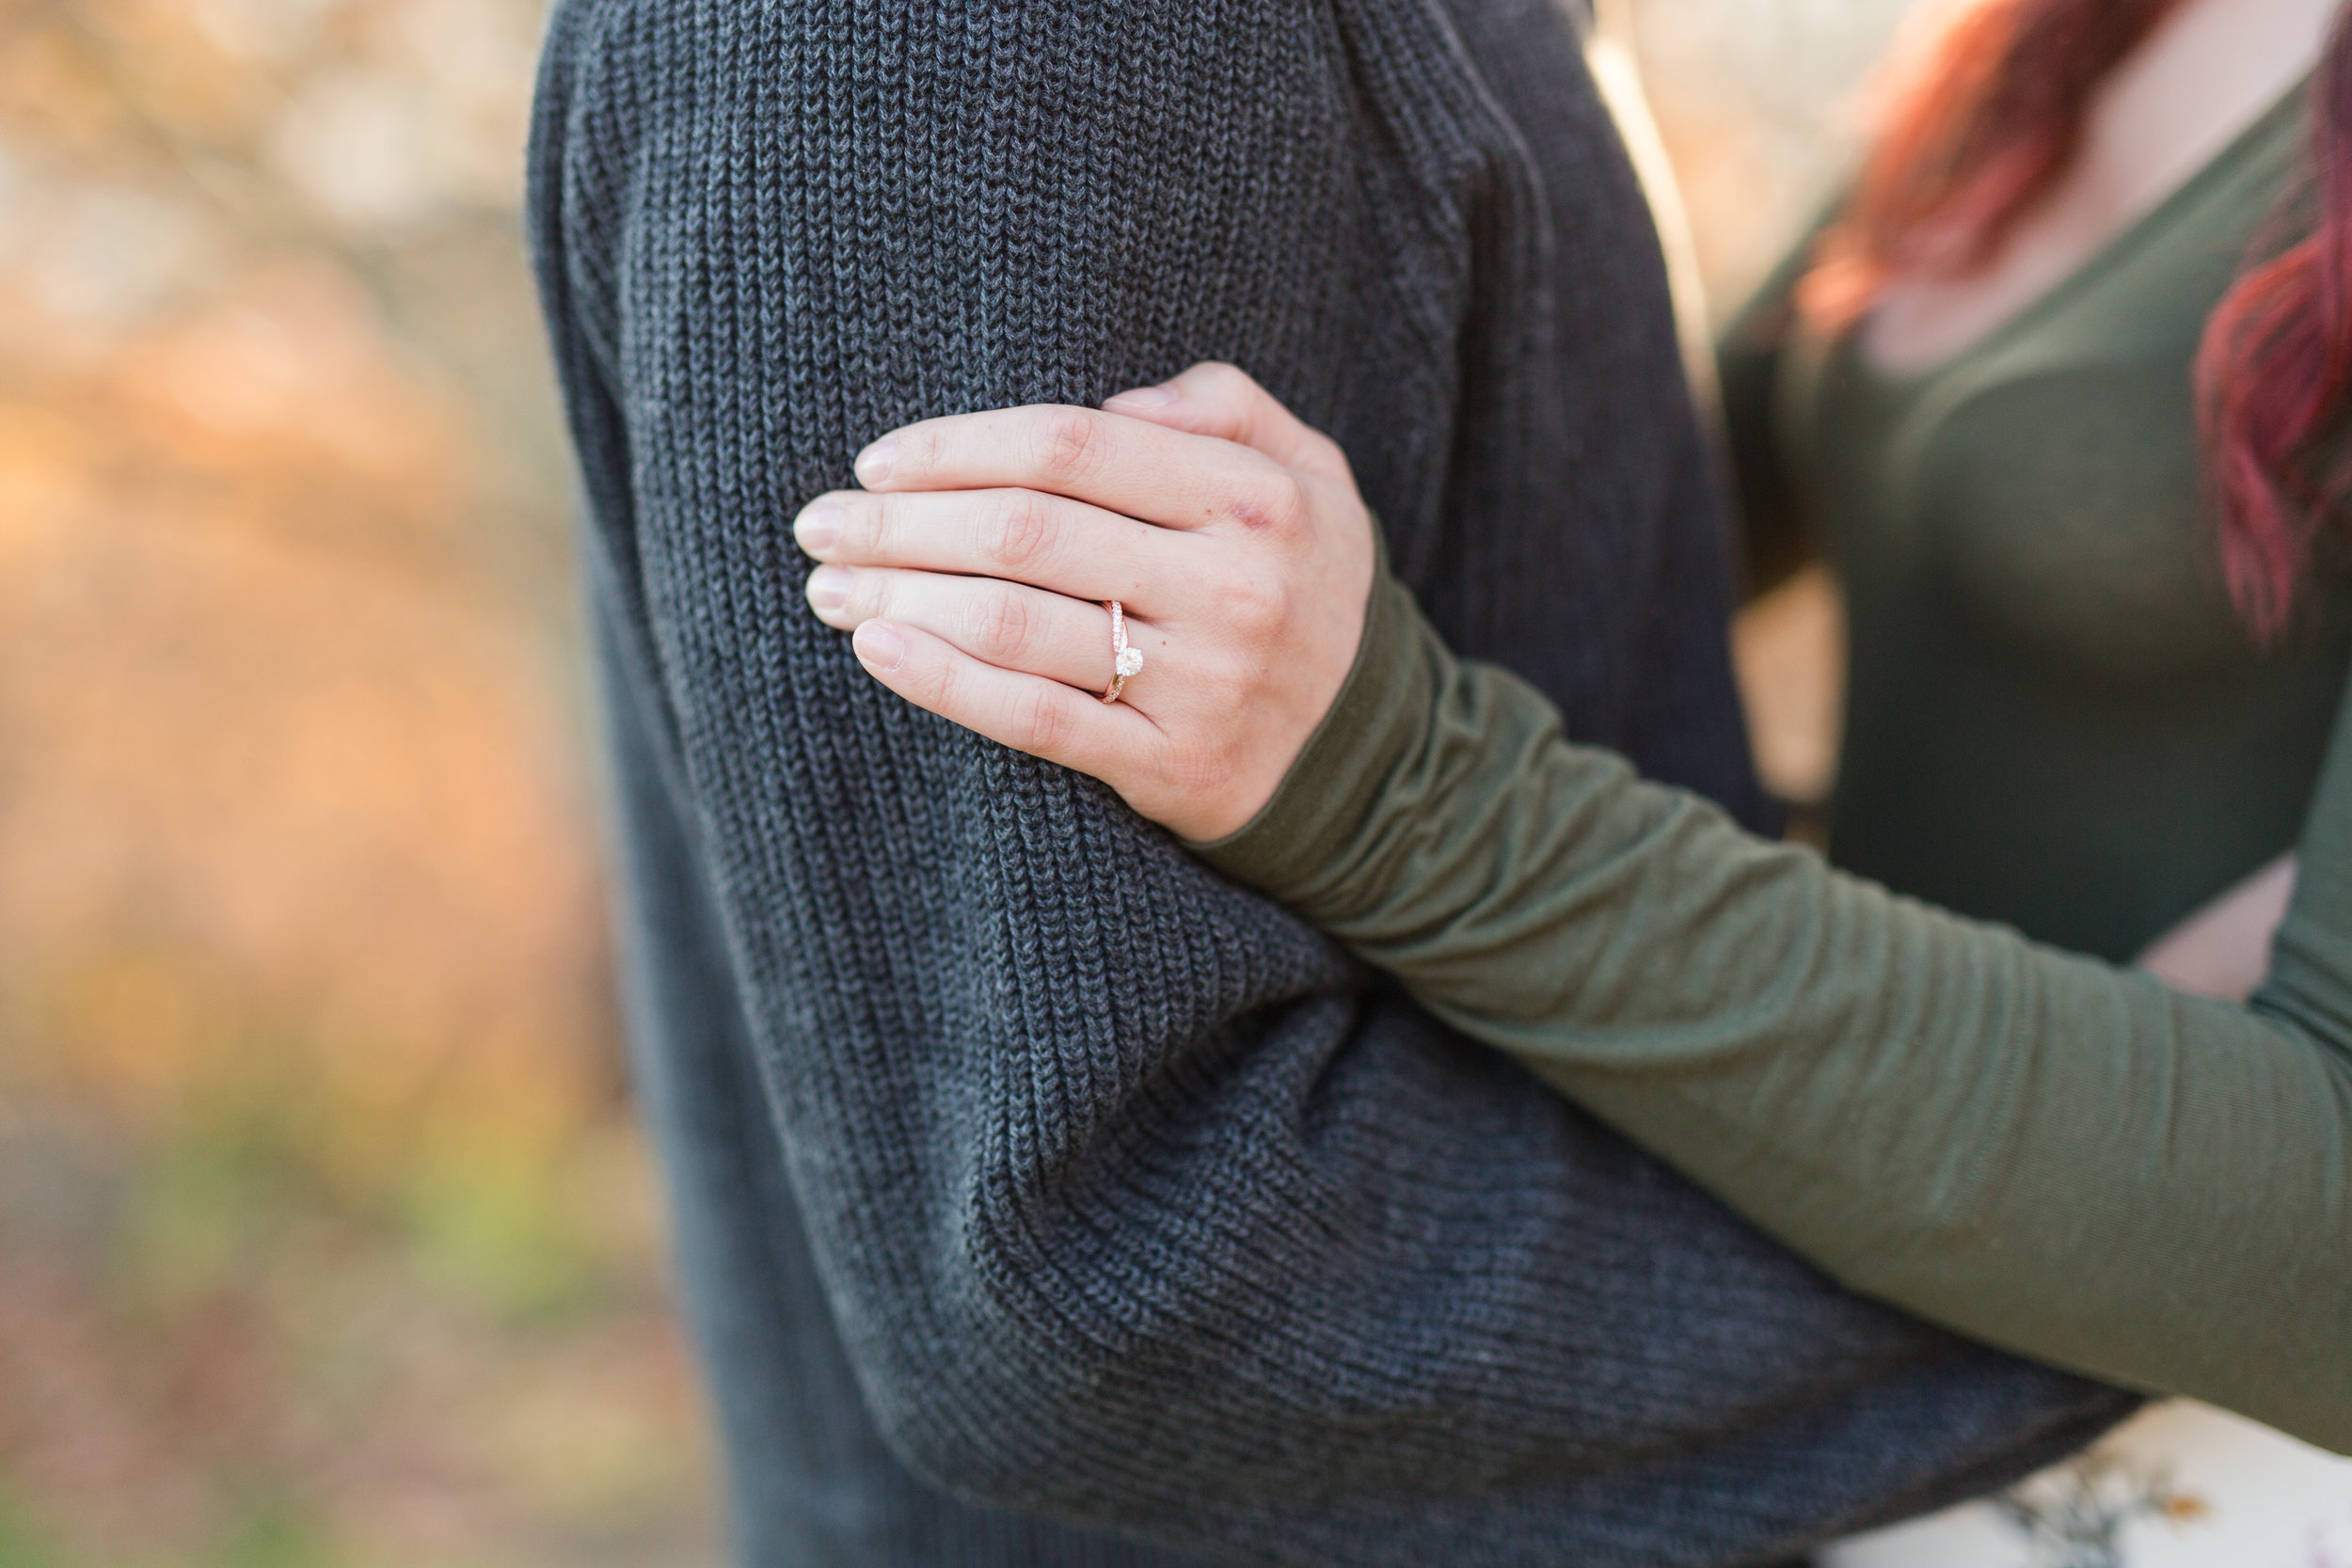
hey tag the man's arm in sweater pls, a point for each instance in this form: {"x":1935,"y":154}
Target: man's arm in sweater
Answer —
{"x":1134,"y":1206}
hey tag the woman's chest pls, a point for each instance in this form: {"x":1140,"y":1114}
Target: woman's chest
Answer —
{"x":2057,"y":518}
{"x":2044,"y":492}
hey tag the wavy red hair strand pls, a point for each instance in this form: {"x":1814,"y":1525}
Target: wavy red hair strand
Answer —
{"x":2273,"y":371}
{"x":1986,"y":125}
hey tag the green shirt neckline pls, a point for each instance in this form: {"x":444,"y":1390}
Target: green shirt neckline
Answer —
{"x":2103,"y":258}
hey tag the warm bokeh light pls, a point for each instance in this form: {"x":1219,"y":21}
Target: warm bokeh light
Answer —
{"x":324,"y":1235}
{"x":1762,"y":104}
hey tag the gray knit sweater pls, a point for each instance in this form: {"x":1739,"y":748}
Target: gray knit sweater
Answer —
{"x":1042,"y":1199}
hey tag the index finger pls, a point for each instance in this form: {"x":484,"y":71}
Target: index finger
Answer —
{"x":1124,"y":464}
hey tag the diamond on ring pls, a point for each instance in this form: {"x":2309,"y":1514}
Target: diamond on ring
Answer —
{"x":1129,"y":661}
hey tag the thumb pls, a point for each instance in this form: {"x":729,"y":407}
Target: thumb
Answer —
{"x":1220,"y":399}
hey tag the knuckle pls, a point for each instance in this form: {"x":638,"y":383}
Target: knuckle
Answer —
{"x":869,"y":597}
{"x":921,"y":450}
{"x":1241,"y":400}
{"x":1018,"y":531}
{"x":871,"y":524}
{"x":1003,"y":623}
{"x":1039,"y":724}
{"x":1069,"y":443}
{"x":1278,"y":505}
{"x":1222,"y":379}
{"x":1260,"y":607}
{"x":934,"y":684}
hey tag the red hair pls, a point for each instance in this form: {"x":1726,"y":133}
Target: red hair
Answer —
{"x":1985,"y":127}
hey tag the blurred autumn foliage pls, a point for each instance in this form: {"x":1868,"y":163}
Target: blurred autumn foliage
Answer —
{"x":324,"y":1236}
{"x":325,"y":1241}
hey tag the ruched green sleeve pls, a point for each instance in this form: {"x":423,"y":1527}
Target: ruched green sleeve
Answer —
{"x":2042,"y":1151}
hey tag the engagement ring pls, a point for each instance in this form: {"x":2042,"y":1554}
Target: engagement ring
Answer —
{"x":1125,"y":661}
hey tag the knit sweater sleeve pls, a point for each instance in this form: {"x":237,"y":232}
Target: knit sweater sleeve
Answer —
{"x":2030,"y":1147}
{"x":1135,"y":1201}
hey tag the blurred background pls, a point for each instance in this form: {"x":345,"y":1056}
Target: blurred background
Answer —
{"x":326,"y":1239}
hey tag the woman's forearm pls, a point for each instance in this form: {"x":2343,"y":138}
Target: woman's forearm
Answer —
{"x":2038,"y":1149}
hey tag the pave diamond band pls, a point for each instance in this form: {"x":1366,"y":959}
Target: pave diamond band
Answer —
{"x":1125,"y":661}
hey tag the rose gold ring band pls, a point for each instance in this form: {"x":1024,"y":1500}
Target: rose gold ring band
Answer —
{"x":1125,"y":660}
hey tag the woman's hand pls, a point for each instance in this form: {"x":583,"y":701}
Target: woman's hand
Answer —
{"x":973,"y":567}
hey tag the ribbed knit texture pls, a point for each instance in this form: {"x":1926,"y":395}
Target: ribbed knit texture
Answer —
{"x":1016,"y":1156}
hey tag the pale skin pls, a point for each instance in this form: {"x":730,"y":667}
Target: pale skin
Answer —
{"x":971,"y":566}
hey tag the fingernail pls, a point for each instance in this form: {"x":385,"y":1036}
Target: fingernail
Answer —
{"x":819,"y":524}
{"x":873,"y":464}
{"x":1141,"y":398}
{"x":828,"y":587}
{"x":879,"y":648}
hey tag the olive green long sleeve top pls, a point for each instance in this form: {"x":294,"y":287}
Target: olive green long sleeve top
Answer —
{"x":2055,"y":722}
{"x":2042,"y":1150}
